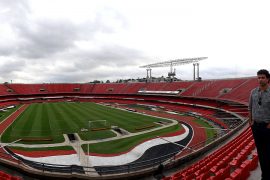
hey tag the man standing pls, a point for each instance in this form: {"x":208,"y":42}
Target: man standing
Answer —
{"x":259,"y":120}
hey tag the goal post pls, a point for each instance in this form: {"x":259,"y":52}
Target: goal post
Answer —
{"x":97,"y":124}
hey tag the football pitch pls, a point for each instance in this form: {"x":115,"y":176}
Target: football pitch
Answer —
{"x":42,"y":121}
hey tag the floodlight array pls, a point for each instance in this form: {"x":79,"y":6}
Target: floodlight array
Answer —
{"x":174,"y":62}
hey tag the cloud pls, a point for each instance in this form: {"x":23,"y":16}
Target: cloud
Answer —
{"x":108,"y":62}
{"x":6,"y":50}
{"x":45,"y":38}
{"x":109,"y":55}
{"x":45,"y":49}
{"x":9,"y":67}
{"x":40,"y":37}
{"x":16,"y":7}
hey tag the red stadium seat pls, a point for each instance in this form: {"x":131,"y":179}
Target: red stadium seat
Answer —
{"x":237,"y":174}
{"x":254,"y":162}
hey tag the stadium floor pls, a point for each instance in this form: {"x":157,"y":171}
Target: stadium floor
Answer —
{"x":255,"y":174}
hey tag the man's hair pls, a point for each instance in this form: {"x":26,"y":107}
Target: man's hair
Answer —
{"x":264,"y":72}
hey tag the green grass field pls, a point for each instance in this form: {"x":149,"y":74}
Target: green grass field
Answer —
{"x":52,"y":120}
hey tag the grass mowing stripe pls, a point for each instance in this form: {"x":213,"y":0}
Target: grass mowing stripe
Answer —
{"x":88,"y":110}
{"x":55,"y":125}
{"x":78,"y":117}
{"x":86,"y":113}
{"x":83,"y":113}
{"x":69,"y":117}
{"x":28,"y":118}
{"x":72,"y":117}
{"x":46,"y":124}
{"x":95,"y":114}
{"x":91,"y":114}
{"x":57,"y":120}
{"x":37,"y":121}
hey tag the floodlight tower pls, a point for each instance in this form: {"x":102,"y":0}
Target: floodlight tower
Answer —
{"x":172,"y":73}
{"x":172,"y":63}
{"x":194,"y":71}
{"x":149,"y":75}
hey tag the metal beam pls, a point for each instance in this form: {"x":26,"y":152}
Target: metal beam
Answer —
{"x":174,"y":62}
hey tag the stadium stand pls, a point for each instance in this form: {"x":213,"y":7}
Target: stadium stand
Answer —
{"x":174,"y":86}
{"x":86,"y":88}
{"x":4,"y":90}
{"x":233,"y":161}
{"x":196,"y":88}
{"x":242,"y":92}
{"x":61,"y":88}
{"x":155,"y":86}
{"x":108,"y":88}
{"x":219,"y":87}
{"x":133,"y":88}
{"x":27,"y":88}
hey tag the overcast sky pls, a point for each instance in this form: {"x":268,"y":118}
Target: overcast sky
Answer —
{"x":83,"y":40}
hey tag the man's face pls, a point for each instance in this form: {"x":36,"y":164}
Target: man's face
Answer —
{"x":263,"y":81}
